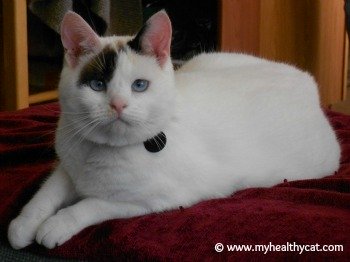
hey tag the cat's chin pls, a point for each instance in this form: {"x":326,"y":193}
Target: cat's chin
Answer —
{"x":119,"y":134}
{"x":119,"y":142}
{"x":115,"y":141}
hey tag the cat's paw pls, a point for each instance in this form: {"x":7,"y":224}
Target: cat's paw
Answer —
{"x":22,"y":230}
{"x":56,"y":230}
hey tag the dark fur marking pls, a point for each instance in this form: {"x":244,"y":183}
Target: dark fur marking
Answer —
{"x":135,"y":44}
{"x":101,"y":67}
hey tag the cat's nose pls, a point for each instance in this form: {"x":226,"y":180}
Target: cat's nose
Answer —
{"x":118,"y":105}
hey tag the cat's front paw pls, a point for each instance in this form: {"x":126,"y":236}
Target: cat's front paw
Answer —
{"x":22,"y":230}
{"x":57,"y":229}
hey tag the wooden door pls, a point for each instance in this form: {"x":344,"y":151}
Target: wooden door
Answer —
{"x":307,"y":33}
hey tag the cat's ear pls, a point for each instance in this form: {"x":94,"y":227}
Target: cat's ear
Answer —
{"x":155,"y":37}
{"x":77,"y":37}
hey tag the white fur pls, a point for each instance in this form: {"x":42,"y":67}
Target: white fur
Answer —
{"x":232,"y":121}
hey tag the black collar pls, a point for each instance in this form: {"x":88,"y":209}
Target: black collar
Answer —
{"x":156,"y":143}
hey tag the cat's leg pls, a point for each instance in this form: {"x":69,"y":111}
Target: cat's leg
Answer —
{"x":71,"y":220}
{"x":56,"y":191}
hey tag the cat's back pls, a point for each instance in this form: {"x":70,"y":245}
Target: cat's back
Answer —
{"x":245,"y":81}
{"x":270,"y":110}
{"x":211,"y":61}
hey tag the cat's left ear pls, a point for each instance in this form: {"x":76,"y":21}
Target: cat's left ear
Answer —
{"x":155,"y":37}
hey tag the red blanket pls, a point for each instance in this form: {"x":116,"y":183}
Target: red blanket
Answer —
{"x":307,"y":212}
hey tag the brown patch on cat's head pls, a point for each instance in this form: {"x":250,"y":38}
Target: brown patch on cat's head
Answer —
{"x":100,"y":67}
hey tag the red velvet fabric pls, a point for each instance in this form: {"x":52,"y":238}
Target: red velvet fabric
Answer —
{"x":305,"y":212}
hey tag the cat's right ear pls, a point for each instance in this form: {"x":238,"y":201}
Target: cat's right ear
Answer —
{"x":77,"y":37}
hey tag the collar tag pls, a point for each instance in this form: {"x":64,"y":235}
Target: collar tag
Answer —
{"x":156,"y":143}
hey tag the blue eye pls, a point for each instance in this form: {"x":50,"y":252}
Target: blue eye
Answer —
{"x":140,"y":85}
{"x":97,"y":85}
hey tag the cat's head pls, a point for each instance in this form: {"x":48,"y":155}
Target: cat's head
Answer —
{"x":117,"y":90}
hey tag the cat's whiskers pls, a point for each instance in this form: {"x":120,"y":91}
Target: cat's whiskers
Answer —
{"x":47,"y":133}
{"x":98,"y":66}
{"x":75,"y":113}
{"x":160,"y":144}
{"x":68,"y":148}
{"x":105,"y":115}
{"x":94,"y":124}
{"x":77,"y":130}
{"x":140,"y":122}
{"x":73,"y":122}
{"x":133,"y":115}
{"x":65,"y":112}
{"x":159,"y":147}
{"x":51,"y":110}
{"x":103,"y":56}
{"x":82,"y":116}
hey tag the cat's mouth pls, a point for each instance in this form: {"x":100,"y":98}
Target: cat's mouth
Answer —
{"x":115,"y":120}
{"x":122,"y":120}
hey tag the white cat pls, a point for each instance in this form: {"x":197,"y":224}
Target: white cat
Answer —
{"x":135,"y":137}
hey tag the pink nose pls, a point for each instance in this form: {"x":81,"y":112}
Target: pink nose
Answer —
{"x":118,"y":105}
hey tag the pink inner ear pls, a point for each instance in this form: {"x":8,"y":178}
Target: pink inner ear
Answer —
{"x":157,"y":38}
{"x":77,"y":37}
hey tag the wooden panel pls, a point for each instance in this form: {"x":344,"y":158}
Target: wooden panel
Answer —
{"x":43,"y":97}
{"x":14,"y":86}
{"x":286,"y":30}
{"x":311,"y":35}
{"x":238,"y":26}
{"x":331,"y":64}
{"x":307,"y":33}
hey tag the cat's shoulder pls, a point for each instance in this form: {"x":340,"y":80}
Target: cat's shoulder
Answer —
{"x":243,"y":64}
{"x":226,"y":60}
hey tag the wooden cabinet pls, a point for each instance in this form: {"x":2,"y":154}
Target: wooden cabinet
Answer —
{"x":307,"y":33}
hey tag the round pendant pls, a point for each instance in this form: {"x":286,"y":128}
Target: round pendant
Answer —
{"x":155,"y":144}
